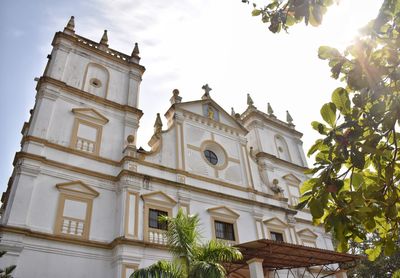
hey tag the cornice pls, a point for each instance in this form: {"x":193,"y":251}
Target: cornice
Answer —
{"x":138,"y":161}
{"x":44,"y":160}
{"x":81,"y":242}
{"x":248,"y":114}
{"x":277,"y":160}
{"x":77,"y":92}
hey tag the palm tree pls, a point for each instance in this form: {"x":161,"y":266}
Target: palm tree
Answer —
{"x":190,"y":257}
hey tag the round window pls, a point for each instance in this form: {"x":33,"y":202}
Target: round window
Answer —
{"x":95,"y":82}
{"x":211,"y":157}
{"x":214,"y":154}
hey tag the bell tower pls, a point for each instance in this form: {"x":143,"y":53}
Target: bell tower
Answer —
{"x":83,"y":75}
{"x":86,"y":108}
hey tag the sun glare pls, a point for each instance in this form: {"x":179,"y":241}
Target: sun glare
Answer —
{"x":343,"y":21}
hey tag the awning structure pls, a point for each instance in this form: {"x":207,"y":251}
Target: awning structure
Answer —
{"x":274,"y":256}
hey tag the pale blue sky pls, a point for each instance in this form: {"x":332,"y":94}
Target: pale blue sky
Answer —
{"x":183,"y":44}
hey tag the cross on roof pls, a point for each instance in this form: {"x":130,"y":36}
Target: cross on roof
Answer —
{"x":206,"y":89}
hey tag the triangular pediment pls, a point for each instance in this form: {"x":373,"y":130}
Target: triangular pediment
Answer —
{"x":292,"y":179}
{"x":217,"y":115}
{"x":223,"y":211}
{"x":275,"y":221}
{"x":158,"y":197}
{"x":307,"y":233}
{"x":90,"y":114}
{"x":77,"y":187}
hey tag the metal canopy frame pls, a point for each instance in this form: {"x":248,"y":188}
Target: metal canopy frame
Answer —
{"x":280,"y":256}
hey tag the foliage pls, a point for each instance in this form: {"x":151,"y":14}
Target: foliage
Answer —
{"x":355,"y":186}
{"x":355,"y":189}
{"x":190,"y":257}
{"x":283,"y":14}
{"x":383,"y":266}
{"x":6,"y":272}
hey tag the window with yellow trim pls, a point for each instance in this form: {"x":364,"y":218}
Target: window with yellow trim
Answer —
{"x":224,"y":224}
{"x":224,"y":230}
{"x":87,"y":137}
{"x":74,"y":216}
{"x":87,"y":130}
{"x":128,"y":269}
{"x":74,"y":209}
{"x":156,"y":204}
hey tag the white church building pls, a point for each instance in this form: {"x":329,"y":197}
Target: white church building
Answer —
{"x":83,"y":199}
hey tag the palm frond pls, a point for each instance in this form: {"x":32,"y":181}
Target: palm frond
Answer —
{"x":218,"y":252}
{"x":182,"y":234}
{"x":161,"y":269}
{"x":204,"y":269}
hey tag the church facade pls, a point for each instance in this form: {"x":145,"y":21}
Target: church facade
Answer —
{"x":83,"y":200}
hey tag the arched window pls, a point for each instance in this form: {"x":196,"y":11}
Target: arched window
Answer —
{"x":282,"y":148}
{"x":96,"y":80}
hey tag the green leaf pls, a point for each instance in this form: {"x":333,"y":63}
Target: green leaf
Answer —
{"x":290,"y":20}
{"x":357,"y":180}
{"x":340,"y":97}
{"x":328,"y":113}
{"x":389,"y":247}
{"x":256,"y":12}
{"x":315,"y":147}
{"x":374,"y":253}
{"x":327,"y":52}
{"x":307,"y":185}
{"x":358,"y":159}
{"x":316,"y":208}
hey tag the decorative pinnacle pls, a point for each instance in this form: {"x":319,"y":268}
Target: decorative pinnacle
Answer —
{"x":250,"y":101}
{"x":158,"y":124}
{"x":135,"y":51}
{"x":270,"y":110}
{"x":207,"y":90}
{"x":233,"y":112}
{"x":70,"y":25}
{"x":289,"y":118}
{"x":104,"y":39}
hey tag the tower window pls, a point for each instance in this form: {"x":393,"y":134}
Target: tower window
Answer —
{"x":277,"y":236}
{"x":95,"y":82}
{"x":224,"y":231}
{"x":211,"y":157}
{"x":154,"y":219}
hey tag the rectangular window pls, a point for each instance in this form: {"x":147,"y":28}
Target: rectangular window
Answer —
{"x":277,"y":236}
{"x":224,"y":231}
{"x":154,"y":219}
{"x":86,"y":138}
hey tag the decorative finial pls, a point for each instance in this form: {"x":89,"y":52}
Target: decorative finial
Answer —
{"x":175,"y":97}
{"x":130,"y":139}
{"x":289,"y":118}
{"x":270,"y":111}
{"x":135,"y":54}
{"x":158,"y":124}
{"x":233,"y":112}
{"x":104,"y":39}
{"x":250,"y":101}
{"x":207,"y":90}
{"x":135,"y":51}
{"x":70,"y":28}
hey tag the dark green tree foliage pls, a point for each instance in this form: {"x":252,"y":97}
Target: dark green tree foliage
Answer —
{"x":355,"y":189}
{"x":191,"y":258}
{"x":382,"y":267}
{"x":355,"y":186}
{"x":6,"y":272}
{"x":283,"y":14}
